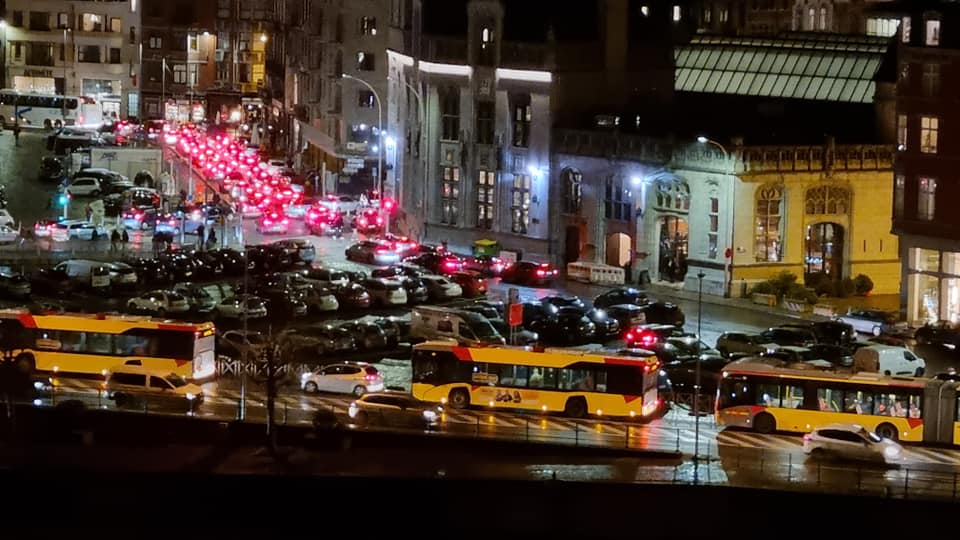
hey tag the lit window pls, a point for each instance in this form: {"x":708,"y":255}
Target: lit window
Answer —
{"x":365,"y":61}
{"x":572,"y":191}
{"x":899,"y":186}
{"x":485,"y":190}
{"x":520,"y":203}
{"x":933,"y":33}
{"x":676,"y":13}
{"x":823,"y":18}
{"x":905,"y":30}
{"x":180,"y":74}
{"x":449,"y":193}
{"x":769,"y":224}
{"x":645,"y":11}
{"x":901,"y":132}
{"x":926,"y":202}
{"x":929,"y":131}
{"x":368,"y":26}
{"x":811,"y":19}
{"x":713,"y":235}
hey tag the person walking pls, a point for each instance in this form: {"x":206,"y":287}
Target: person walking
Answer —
{"x":124,"y":240}
{"x":115,"y":241}
{"x":16,"y":133}
{"x":212,"y":240}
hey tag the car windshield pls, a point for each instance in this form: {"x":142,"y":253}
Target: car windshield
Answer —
{"x":176,"y":380}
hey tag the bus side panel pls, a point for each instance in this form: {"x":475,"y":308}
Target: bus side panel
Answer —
{"x":803,"y":421}
{"x":89,"y":364}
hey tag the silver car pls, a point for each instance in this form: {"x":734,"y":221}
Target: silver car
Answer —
{"x":395,"y":409}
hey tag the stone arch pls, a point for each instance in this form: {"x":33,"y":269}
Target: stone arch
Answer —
{"x":827,"y":199}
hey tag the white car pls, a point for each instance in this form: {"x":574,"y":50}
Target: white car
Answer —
{"x":356,"y":379}
{"x":386,"y":292}
{"x":870,"y":321}
{"x":441,"y":288}
{"x":6,"y":218}
{"x":295,"y":211}
{"x":235,"y":306}
{"x":159,"y":303}
{"x":8,"y":234}
{"x":852,"y":441}
{"x":83,"y":186}
{"x":76,"y":228}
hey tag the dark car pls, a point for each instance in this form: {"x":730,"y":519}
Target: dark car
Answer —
{"x":391,"y":328}
{"x":621,"y":295}
{"x":299,"y":250}
{"x":208,"y":265}
{"x":607,"y":327}
{"x":150,"y":272}
{"x":529,"y":273}
{"x":14,"y":284}
{"x":417,"y":292}
{"x":267,"y":258}
{"x":626,"y":314}
{"x":569,"y":327}
{"x":368,"y":335}
{"x":837,"y":355}
{"x":564,"y":300}
{"x":231,"y":261}
{"x":323,"y":340}
{"x":534,"y":312}
{"x":664,"y":313}
{"x":179,"y":266}
{"x":51,"y":170}
{"x":472,"y":283}
{"x":793,"y":337}
{"x":944,"y":333}
{"x":355,"y":276}
{"x":521,"y":336}
{"x":438,"y":263}
{"x":683,"y":374}
{"x":48,"y":281}
{"x":351,"y":296}
{"x":283,"y":302}
{"x":485,"y":265}
{"x":831,"y":332}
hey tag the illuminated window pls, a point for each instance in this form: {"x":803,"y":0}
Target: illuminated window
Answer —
{"x":520,"y":203}
{"x":933,"y":33}
{"x":676,"y":13}
{"x":899,"y":186}
{"x":449,"y":193}
{"x":180,"y":74}
{"x":901,"y":132}
{"x":905,"y":30}
{"x":714,"y":233}
{"x":572,"y":191}
{"x":368,"y":26}
{"x":485,"y":193}
{"x":768,"y":234}
{"x":926,"y":200}
{"x":827,"y":200}
{"x":929,"y":131}
{"x":365,"y":61}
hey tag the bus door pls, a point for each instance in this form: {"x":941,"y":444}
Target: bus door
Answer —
{"x":940,"y":403}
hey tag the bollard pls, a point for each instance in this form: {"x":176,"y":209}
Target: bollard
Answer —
{"x":678,"y":440}
{"x":789,"y":467}
{"x":906,"y":483}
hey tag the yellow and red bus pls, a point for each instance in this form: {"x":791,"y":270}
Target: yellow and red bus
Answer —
{"x":81,"y":344}
{"x":763,"y":395}
{"x":569,"y":381}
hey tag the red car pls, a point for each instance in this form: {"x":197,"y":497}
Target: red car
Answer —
{"x":486,"y":265}
{"x":320,"y":220}
{"x":368,"y":222}
{"x":404,"y":246}
{"x":472,"y":283}
{"x":529,"y":273}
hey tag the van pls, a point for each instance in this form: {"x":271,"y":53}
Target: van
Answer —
{"x":94,"y":274}
{"x":122,"y":275}
{"x":888,"y":360}
{"x":138,"y":387}
{"x":468,"y":328}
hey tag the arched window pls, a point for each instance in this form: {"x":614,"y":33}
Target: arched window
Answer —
{"x":673,"y":196}
{"x":572,"y":182}
{"x":768,"y":233}
{"x":827,"y":200}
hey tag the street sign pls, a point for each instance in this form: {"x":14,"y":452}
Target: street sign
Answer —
{"x":349,"y":170}
{"x":516,"y":314}
{"x":355,"y":163}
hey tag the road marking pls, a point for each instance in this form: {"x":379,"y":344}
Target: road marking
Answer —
{"x":756,"y":440}
{"x":932,"y":454}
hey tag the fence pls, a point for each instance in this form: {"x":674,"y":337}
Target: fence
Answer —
{"x":595,"y":273}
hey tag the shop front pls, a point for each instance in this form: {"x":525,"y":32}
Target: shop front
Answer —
{"x":933,"y":285}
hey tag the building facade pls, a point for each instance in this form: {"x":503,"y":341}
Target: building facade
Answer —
{"x":78,"y":48}
{"x":924,"y":181}
{"x":179,"y":46}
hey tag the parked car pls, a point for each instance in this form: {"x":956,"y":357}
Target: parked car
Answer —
{"x":200,"y":300}
{"x":529,"y":273}
{"x":236,"y":307}
{"x":485,"y":265}
{"x":795,"y":337}
{"x":870,"y":321}
{"x":51,"y":281}
{"x":14,"y":284}
{"x":471,"y":283}
{"x":319,"y":300}
{"x":621,"y":295}
{"x":324,"y":277}
{"x":300,"y":251}
{"x":83,"y":186}
{"x":438,"y":263}
{"x":324,"y":339}
{"x":394,"y":409}
{"x":853,"y":442}
{"x":627,"y":315}
{"x":371,"y":252}
{"x":368,"y":336}
{"x":742,"y":343}
{"x":829,"y":332}
{"x":564,"y":300}
{"x":352,"y":296}
{"x":569,"y":327}
{"x":356,"y":379}
{"x":944,"y":333}
{"x":385,"y":292}
{"x":664,"y":313}
{"x":159,"y":303}
{"x":240,"y":344}
{"x":441,"y":288}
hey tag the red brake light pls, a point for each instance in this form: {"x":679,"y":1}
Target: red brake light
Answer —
{"x":540,"y":272}
{"x":383,"y":250}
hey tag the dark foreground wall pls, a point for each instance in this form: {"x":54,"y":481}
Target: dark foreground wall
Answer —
{"x":440,"y":508}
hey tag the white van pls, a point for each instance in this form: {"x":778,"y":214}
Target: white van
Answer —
{"x":138,"y":387}
{"x":888,"y":360}
{"x":89,"y":273}
{"x":429,"y":322}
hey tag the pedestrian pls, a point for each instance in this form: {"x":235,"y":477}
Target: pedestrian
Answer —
{"x":212,"y":240}
{"x":200,"y":238}
{"x":115,"y":241}
{"x":16,"y":133}
{"x":124,"y":239}
{"x":156,"y":245}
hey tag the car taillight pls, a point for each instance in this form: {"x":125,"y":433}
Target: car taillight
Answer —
{"x":379,"y":221}
{"x":267,"y":222}
{"x":371,"y":377}
{"x":285,"y":221}
{"x":541,"y":273}
{"x":383,"y":250}
{"x":807,"y":437}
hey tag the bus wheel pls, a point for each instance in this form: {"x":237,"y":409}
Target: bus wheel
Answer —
{"x":575,"y":408}
{"x":120,"y":400}
{"x":459,"y":398}
{"x":887,"y":431}
{"x":26,"y":363}
{"x":764,"y":423}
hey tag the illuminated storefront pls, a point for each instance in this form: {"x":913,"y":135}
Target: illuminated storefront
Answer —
{"x":933,"y":285}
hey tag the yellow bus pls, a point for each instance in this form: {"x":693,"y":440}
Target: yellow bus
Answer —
{"x":82,"y":344}
{"x":763,"y":395}
{"x":573,"y":382}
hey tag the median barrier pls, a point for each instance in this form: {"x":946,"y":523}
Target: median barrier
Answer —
{"x":825,"y":310}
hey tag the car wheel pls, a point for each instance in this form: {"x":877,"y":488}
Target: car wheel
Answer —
{"x":764,"y":423}
{"x":887,"y":431}
{"x":876,"y":331}
{"x":311,"y":388}
{"x":120,"y":400}
{"x":361,"y":419}
{"x":359,"y":390}
{"x":818,"y":453}
{"x":575,"y":408}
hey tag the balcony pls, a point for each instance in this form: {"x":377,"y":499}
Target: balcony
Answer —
{"x":759,"y":159}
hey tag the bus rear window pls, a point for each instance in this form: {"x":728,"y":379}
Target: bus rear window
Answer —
{"x":72,"y":103}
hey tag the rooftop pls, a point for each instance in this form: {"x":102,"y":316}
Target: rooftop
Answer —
{"x":804,"y":66}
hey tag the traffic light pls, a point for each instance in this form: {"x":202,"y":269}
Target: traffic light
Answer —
{"x":63,"y":199}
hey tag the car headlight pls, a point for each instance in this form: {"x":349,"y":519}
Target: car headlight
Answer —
{"x":304,"y":377}
{"x":891,"y":451}
{"x":191,"y":396}
{"x":429,"y":415}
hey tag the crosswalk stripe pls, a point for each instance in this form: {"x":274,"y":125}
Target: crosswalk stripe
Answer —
{"x":933,"y":454}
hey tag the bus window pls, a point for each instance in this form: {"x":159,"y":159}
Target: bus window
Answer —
{"x":792,"y":397}
{"x":734,"y":392}
{"x":858,"y":402}
{"x":71,"y":103}
{"x":829,"y":399}
{"x":896,"y":405}
{"x":768,"y":394}
{"x":914,"y":408}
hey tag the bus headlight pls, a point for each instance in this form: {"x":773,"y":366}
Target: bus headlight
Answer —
{"x":191,"y":396}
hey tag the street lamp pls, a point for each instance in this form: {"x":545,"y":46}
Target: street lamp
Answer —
{"x":378,"y":183}
{"x":3,"y":50}
{"x":696,"y":377}
{"x":704,"y":140}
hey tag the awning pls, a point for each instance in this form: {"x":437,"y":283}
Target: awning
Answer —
{"x":314,"y":136}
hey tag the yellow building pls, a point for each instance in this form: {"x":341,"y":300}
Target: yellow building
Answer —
{"x":814,"y":209}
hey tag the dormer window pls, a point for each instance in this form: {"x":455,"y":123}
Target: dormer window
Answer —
{"x":485,"y":54}
{"x":932,"y":36}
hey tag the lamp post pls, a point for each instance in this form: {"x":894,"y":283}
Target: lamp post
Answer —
{"x":727,"y":267}
{"x":696,"y":377}
{"x":378,"y":183}
{"x":421,"y":128}
{"x":704,"y":140}
{"x":3,"y":51}
{"x":65,"y":31}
